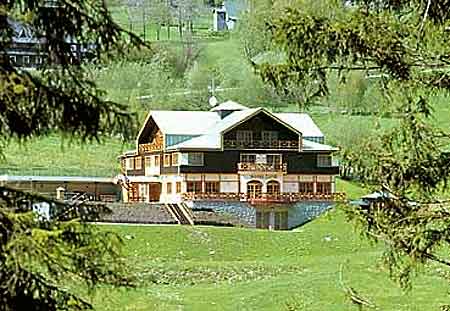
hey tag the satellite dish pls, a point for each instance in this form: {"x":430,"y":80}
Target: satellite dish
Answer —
{"x":212,"y":101}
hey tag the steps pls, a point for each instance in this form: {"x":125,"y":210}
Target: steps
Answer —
{"x":181,"y":213}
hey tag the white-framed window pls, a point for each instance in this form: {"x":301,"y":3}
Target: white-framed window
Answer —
{"x":195,"y":159}
{"x":324,"y":160}
{"x":175,"y":159}
{"x":244,"y":136}
{"x":248,"y":157}
{"x":39,"y":60}
{"x":12,"y":58}
{"x":269,"y":136}
{"x":138,"y":163}
{"x":148,"y":162}
{"x":26,"y":59}
{"x":129,"y":164}
{"x":157,"y":161}
{"x":274,"y":159}
{"x":167,"y":160}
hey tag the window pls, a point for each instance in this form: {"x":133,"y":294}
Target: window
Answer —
{"x":212,"y":187}
{"x":244,"y":137}
{"x":157,"y":161}
{"x":194,"y":186}
{"x":167,"y":159}
{"x":138,"y":163}
{"x":323,"y":160}
{"x":323,"y":187}
{"x":269,"y":136}
{"x":195,"y":158}
{"x":26,"y":59}
{"x":129,"y":164}
{"x":169,"y":188}
{"x":248,"y":158}
{"x":175,"y":158}
{"x":148,"y":162}
{"x":274,"y":159}
{"x":12,"y":59}
{"x":306,"y":187}
{"x":178,"y":187}
{"x":39,"y":60}
{"x":273,"y":187}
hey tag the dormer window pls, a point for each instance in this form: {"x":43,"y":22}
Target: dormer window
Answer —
{"x":244,"y":137}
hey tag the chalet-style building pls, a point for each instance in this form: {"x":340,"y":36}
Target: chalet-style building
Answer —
{"x":28,"y":50}
{"x":230,"y":153}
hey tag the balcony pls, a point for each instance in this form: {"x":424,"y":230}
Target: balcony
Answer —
{"x":144,"y":148}
{"x":266,"y":198}
{"x":262,"y":144}
{"x":262,"y":167}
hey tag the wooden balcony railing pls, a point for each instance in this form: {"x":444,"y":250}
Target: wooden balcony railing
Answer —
{"x":262,"y":167}
{"x":265,"y":198}
{"x":262,"y":144}
{"x":149,"y":147}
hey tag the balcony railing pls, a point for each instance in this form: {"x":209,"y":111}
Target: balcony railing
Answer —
{"x":264,"y":198}
{"x":262,"y":144}
{"x":149,"y":147}
{"x":262,"y":167}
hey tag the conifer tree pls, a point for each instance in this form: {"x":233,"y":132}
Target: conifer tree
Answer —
{"x":42,"y":259}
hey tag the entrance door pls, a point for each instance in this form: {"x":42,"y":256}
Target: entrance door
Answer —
{"x":155,"y":191}
{"x":254,"y":189}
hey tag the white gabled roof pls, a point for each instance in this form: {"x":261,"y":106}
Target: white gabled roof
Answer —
{"x":229,"y":105}
{"x":207,"y":141}
{"x":185,"y":122}
{"x":313,"y":146}
{"x":301,"y":122}
{"x":208,"y":127}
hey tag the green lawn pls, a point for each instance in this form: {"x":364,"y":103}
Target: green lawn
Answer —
{"x":211,"y":268}
{"x":52,"y":156}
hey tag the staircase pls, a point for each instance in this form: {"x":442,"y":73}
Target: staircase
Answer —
{"x":181,"y":213}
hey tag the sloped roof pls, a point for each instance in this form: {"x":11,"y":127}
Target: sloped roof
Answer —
{"x":313,"y":146}
{"x":208,"y":127}
{"x":302,"y":122}
{"x":184,"y":122}
{"x":229,"y":105}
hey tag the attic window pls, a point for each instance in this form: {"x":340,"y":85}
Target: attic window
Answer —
{"x":269,"y":136}
{"x":244,"y":136}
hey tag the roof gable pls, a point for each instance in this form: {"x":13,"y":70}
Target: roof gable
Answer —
{"x":255,"y":112}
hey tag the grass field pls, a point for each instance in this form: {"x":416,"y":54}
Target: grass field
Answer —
{"x":208,"y":268}
{"x":55,"y":157}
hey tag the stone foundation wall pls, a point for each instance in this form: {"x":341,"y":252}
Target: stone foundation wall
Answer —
{"x":138,"y":213}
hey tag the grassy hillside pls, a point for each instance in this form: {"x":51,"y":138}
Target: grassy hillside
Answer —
{"x":206,"y":268}
{"x":52,"y":155}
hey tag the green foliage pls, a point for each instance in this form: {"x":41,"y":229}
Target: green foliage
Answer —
{"x":38,"y":256}
{"x":404,"y":44}
{"x":58,"y":97}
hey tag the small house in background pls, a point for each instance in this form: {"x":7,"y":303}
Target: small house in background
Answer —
{"x":28,"y":49}
{"x":225,"y":16}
